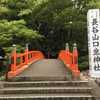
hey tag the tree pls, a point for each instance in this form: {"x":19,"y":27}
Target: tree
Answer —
{"x":61,"y":21}
{"x":13,"y":27}
{"x":45,"y":22}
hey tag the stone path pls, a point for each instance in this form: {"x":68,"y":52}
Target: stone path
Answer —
{"x":47,"y":68}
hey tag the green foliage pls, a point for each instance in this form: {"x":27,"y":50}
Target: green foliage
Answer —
{"x":16,"y":31}
{"x":62,"y":21}
{"x":46,"y":24}
{"x":83,"y":63}
{"x":84,"y":66}
{"x":13,"y":28}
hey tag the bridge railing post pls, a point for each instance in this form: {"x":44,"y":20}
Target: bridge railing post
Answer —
{"x":14,"y":55}
{"x":26,"y":54}
{"x":75,"y":61}
{"x":75,"y":54}
{"x":68,"y":60}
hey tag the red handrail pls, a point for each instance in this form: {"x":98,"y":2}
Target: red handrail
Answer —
{"x":70,"y":60}
{"x":19,"y":61}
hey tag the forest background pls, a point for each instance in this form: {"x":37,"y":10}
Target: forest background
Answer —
{"x":46,"y":25}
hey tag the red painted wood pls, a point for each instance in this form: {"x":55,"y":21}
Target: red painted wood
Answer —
{"x":24,"y":59}
{"x":70,"y":60}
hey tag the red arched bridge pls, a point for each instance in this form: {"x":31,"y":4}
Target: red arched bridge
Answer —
{"x":34,"y":63}
{"x":33,"y":77}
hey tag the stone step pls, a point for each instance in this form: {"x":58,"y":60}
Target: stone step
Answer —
{"x":39,"y":78}
{"x":46,"y":84}
{"x":45,"y":90}
{"x":48,"y":97}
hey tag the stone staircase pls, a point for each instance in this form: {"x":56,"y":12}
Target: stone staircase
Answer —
{"x":46,"y":90}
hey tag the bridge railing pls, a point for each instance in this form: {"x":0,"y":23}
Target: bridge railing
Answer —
{"x":70,"y":59}
{"x":19,"y":61}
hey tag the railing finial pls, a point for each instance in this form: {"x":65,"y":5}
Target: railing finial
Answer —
{"x":74,"y":46}
{"x":14,"y":46}
{"x":27,"y":45}
{"x":67,"y":46}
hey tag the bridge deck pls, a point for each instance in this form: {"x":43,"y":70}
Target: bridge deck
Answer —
{"x":48,"y":69}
